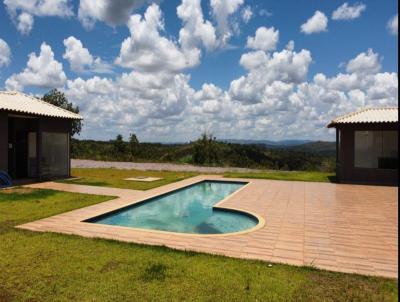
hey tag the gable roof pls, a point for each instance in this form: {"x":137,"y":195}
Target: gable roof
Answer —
{"x":368,"y":116}
{"x":22,"y":103}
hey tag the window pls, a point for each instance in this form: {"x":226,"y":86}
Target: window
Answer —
{"x":55,"y":154}
{"x":376,"y":149}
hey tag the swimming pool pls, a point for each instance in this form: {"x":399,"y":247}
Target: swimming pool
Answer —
{"x":186,"y":210}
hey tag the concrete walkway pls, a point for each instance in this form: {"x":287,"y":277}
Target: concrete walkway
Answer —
{"x":345,"y":228}
{"x":85,"y":163}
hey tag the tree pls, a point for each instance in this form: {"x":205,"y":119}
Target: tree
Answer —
{"x":58,"y":98}
{"x":133,"y":145}
{"x":205,"y":150}
{"x":119,"y":145}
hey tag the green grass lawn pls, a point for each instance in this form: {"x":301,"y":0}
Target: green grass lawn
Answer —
{"x":287,"y":175}
{"x":54,"y":267}
{"x":115,"y":178}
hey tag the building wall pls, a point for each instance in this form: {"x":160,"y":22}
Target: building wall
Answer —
{"x":38,"y":125}
{"x":50,"y":124}
{"x":3,"y":141}
{"x":345,"y":170}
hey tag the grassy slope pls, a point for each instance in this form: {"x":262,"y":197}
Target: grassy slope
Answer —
{"x":54,"y":267}
{"x":115,"y":178}
{"x":287,"y":175}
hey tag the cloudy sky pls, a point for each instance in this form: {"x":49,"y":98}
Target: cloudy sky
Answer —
{"x":168,"y":70}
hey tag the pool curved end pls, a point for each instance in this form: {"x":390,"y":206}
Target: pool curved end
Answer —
{"x":260,"y":221}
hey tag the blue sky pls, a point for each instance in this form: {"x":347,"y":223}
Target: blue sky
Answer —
{"x":269,"y":97}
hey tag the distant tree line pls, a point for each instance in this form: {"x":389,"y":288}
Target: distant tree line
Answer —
{"x":127,"y":151}
{"x":204,"y":151}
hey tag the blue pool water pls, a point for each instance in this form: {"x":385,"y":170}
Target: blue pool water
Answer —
{"x":187,"y":210}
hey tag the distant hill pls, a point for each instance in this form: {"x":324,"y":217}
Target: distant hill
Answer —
{"x":298,"y":155}
{"x":269,"y":143}
{"x":319,"y":147}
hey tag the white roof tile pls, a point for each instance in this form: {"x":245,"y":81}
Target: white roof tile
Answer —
{"x":368,"y":115}
{"x":22,"y":103}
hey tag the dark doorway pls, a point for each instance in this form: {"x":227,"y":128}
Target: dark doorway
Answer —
{"x":21,"y":154}
{"x":22,"y":149}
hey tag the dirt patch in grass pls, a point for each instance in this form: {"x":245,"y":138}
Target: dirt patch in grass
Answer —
{"x":5,"y":295}
{"x":110,"y":266}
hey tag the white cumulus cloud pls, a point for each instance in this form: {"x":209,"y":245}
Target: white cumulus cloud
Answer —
{"x":393,"y":25}
{"x":77,"y":56}
{"x":23,"y":11}
{"x":222,"y":10}
{"x":364,"y":63}
{"x":112,"y":12}
{"x":25,"y":23}
{"x":273,"y":99}
{"x":146,"y":50}
{"x":149,"y":103}
{"x":81,"y":60}
{"x":5,"y":53}
{"x":286,"y":67}
{"x":348,"y":12}
{"x":317,"y":23}
{"x":265,"y":39}
{"x":247,"y":14}
{"x":40,"y":71}
{"x":195,"y":29}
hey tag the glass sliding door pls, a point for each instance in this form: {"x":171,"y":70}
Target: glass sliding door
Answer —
{"x":32,"y":154}
{"x":55,"y":154}
{"x":376,"y":149}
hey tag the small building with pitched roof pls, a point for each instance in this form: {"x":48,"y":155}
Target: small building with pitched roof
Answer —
{"x":34,"y":137}
{"x":367,"y":146}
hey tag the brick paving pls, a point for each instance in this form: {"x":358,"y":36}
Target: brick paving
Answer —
{"x":345,"y":228}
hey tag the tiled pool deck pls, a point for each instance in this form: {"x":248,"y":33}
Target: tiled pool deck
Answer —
{"x":346,"y":228}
